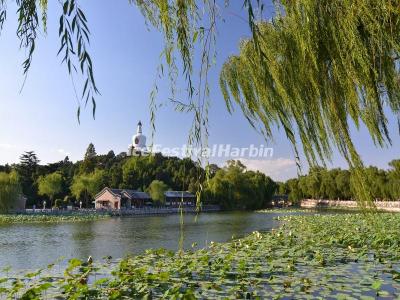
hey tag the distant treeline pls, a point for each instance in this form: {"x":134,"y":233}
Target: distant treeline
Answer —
{"x":321,"y":183}
{"x":66,"y":183}
{"x":232,"y":187}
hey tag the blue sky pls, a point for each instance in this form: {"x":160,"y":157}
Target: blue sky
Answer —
{"x":126,"y":54}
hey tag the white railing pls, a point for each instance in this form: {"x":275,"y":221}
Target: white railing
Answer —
{"x":122,"y":211}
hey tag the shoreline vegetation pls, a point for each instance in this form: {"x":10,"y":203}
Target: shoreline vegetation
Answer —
{"x":60,"y":216}
{"x":343,"y":256}
{"x":48,"y":218}
{"x":56,"y":216}
{"x":75,"y":184}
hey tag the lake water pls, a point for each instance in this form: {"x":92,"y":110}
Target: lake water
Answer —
{"x":31,"y":246}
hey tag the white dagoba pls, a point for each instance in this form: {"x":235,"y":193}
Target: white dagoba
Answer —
{"x":138,"y":145}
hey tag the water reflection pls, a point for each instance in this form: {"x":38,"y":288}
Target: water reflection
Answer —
{"x":31,"y":246}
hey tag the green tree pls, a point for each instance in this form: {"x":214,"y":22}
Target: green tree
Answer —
{"x":295,"y":192}
{"x":233,"y":187}
{"x":343,"y":185}
{"x":156,"y":189}
{"x":316,"y":65}
{"x":27,"y":171}
{"x":86,"y":186}
{"x":89,"y":162}
{"x":134,"y":172}
{"x":115,"y":176}
{"x":90,"y":152}
{"x":328,"y":188}
{"x":282,"y":188}
{"x":50,"y":185}
{"x":377,"y":182}
{"x":314,"y":182}
{"x":212,"y":169}
{"x":10,"y":190}
{"x":394,"y":179}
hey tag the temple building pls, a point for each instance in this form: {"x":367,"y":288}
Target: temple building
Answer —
{"x":121,"y":198}
{"x":177,"y":198}
{"x":138,"y":146}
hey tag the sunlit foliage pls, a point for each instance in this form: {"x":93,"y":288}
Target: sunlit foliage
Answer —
{"x":316,"y":68}
{"x":86,"y":186}
{"x":313,"y":70}
{"x":337,"y":184}
{"x":235,"y":187}
{"x":10,"y":190}
{"x":156,"y":190}
{"x":50,"y":185}
{"x":48,"y":218}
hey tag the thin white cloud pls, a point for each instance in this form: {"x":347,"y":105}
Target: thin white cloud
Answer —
{"x":7,"y":146}
{"x":63,"y":152}
{"x":278,"y":169}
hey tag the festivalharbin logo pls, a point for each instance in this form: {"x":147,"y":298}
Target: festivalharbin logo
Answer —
{"x":215,"y":151}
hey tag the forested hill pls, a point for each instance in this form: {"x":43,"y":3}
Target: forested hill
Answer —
{"x":233,"y":186}
{"x":94,"y":172}
{"x":67,"y":183}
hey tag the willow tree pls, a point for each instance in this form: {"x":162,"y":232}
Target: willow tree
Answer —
{"x":315,"y":68}
{"x":10,"y":190}
{"x":50,"y":185}
{"x":86,"y":186}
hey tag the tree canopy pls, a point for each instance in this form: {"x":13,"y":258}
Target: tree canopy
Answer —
{"x":27,"y":172}
{"x":156,"y":190}
{"x":86,"y":186}
{"x":50,"y":185}
{"x":338,"y":184}
{"x":317,"y":67}
{"x":234,"y":187}
{"x":10,"y":190}
{"x":314,"y":69}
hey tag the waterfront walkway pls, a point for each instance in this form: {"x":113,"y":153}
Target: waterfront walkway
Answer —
{"x":122,"y":212}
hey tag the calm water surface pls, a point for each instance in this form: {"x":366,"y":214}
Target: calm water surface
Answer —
{"x":31,"y":246}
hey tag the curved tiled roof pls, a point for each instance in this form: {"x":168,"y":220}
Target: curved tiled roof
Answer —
{"x":179,"y":194}
{"x":136,"y":194}
{"x":133,"y":194}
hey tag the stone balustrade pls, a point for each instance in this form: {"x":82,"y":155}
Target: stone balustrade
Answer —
{"x":382,"y":205}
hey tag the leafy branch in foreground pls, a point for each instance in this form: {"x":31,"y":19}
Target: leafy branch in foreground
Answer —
{"x":184,"y":26}
{"x":3,"y":13}
{"x":74,"y":30}
{"x":28,"y":24}
{"x":314,"y":69}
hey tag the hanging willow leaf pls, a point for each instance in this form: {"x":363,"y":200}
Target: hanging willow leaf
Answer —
{"x":27,"y":29}
{"x":74,"y":33}
{"x":315,"y":68}
{"x":3,"y":14}
{"x":43,"y":6}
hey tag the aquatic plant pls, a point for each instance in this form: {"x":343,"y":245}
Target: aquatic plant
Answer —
{"x":43,"y":218}
{"x":338,"y":256}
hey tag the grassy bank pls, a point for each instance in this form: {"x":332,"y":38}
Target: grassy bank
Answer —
{"x":340,"y":256}
{"x":43,"y":218}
